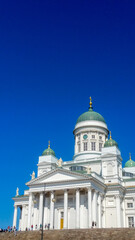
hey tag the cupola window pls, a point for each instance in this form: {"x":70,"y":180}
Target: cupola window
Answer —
{"x":85,"y":146}
{"x":79,"y":147}
{"x":100,"y":147}
{"x":93,"y":146}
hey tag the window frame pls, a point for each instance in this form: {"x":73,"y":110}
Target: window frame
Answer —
{"x":85,"y":146}
{"x":93,"y":146}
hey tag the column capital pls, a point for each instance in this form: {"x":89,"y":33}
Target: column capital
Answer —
{"x":66,"y":190}
{"x":41,"y":193}
{"x":96,"y":191}
{"x":77,"y":189}
{"x":89,"y":188}
{"x":101,"y":194}
{"x":52,"y":192}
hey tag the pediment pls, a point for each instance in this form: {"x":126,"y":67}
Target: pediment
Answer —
{"x":58,"y":175}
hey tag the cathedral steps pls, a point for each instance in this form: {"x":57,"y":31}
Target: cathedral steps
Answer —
{"x":74,"y":234}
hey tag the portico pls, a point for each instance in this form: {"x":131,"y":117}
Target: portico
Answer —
{"x":71,"y":201}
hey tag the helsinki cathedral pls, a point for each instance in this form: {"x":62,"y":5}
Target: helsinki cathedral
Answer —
{"x":92,"y":190}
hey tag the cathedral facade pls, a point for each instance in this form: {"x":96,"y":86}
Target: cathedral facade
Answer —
{"x":92,"y":190}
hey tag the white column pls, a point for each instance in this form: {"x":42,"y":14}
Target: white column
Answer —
{"x":40,"y":208}
{"x":20,"y":219}
{"x":89,"y":207}
{"x":65,"y":209}
{"x":99,"y":211}
{"x":23,"y":218}
{"x":29,"y":211}
{"x":78,"y":208}
{"x":46,"y":220}
{"x":51,"y":210}
{"x":15,"y":216}
{"x":118,"y":211}
{"x":95,"y":207}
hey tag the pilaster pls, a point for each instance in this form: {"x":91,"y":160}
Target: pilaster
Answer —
{"x":118,"y":211}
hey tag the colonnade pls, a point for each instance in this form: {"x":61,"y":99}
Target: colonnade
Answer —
{"x":94,"y":199}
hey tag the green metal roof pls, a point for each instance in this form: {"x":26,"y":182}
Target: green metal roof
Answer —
{"x":110,"y":143}
{"x":130,"y":163}
{"x":48,"y":151}
{"x":89,"y":116}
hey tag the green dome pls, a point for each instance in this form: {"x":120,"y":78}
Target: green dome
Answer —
{"x":89,"y":116}
{"x":130,"y":163}
{"x":48,"y":151}
{"x":110,"y":142}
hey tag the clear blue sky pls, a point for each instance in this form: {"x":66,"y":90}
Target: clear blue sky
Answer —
{"x":53,"y":56}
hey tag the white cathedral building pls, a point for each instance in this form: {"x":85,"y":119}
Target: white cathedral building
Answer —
{"x":91,"y":190}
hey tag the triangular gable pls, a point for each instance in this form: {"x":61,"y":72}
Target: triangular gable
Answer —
{"x":57,"y":175}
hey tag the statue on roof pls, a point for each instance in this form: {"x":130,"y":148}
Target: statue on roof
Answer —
{"x":60,"y":162}
{"x":88,"y":170}
{"x":17,"y":191}
{"x":32,"y":175}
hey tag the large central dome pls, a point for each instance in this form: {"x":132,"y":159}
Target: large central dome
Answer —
{"x":90,"y":115}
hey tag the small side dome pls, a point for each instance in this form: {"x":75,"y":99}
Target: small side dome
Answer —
{"x":48,"y":151}
{"x":90,"y":115}
{"x":110,"y":142}
{"x":130,"y":162}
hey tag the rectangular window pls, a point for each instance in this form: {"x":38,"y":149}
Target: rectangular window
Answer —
{"x":130,"y":205}
{"x":93,"y":146}
{"x":100,"y":147}
{"x":131,"y":221}
{"x":79,"y":147}
{"x":85,"y":146}
{"x":93,"y":136}
{"x":100,"y":137}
